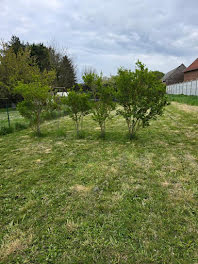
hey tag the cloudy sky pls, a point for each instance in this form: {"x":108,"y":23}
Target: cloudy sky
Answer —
{"x":106,"y":34}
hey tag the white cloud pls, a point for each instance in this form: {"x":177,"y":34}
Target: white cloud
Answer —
{"x":108,"y":34}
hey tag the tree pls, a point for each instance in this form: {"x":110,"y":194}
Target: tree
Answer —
{"x":41,"y":54}
{"x":141,"y":95}
{"x":37,"y":97}
{"x":102,"y":95}
{"x":13,"y":68}
{"x":159,"y":75}
{"x":78,"y":105}
{"x":66,"y":76}
{"x":16,"y":45}
{"x":64,"y":66}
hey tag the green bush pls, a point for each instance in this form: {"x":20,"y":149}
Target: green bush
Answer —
{"x":141,"y":96}
{"x":20,"y":126}
{"x":102,"y":104}
{"x":78,"y":106}
{"x":6,"y":130}
{"x":61,"y":132}
{"x":49,"y":115}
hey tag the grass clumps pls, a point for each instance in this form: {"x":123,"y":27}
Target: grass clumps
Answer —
{"x":4,"y":130}
{"x":184,"y":99}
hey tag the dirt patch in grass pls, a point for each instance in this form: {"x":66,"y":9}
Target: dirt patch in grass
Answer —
{"x":81,"y":188}
{"x":186,"y":108}
{"x":165,"y":184}
{"x":14,"y":242}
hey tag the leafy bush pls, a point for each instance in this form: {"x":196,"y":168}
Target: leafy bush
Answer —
{"x":102,"y":95}
{"x":6,"y":130}
{"x":141,"y":95}
{"x":60,"y":132}
{"x":78,"y":106}
{"x":37,"y":98}
{"x":49,"y":115}
{"x":20,"y":126}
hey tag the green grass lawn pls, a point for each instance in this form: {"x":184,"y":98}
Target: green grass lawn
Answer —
{"x":90,"y":200}
{"x":184,"y":99}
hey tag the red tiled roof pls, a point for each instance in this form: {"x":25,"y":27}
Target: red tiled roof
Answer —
{"x":193,"y":66}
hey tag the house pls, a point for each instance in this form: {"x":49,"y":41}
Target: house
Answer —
{"x":191,"y":73}
{"x":174,"y":76}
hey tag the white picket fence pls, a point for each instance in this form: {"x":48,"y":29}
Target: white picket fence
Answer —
{"x":187,"y":88}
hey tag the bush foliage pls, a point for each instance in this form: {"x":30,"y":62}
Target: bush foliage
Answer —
{"x":139,"y":95}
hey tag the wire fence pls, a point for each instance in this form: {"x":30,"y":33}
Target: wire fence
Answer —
{"x":186,"y":88}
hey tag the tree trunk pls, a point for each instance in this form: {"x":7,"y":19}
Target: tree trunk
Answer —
{"x":81,"y":123}
{"x":129,"y":124}
{"x":132,"y":128}
{"x":77,"y":128}
{"x":38,"y":131}
{"x":102,"y":130}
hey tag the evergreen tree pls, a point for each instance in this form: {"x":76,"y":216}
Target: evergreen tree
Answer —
{"x":16,"y":44}
{"x":41,"y":54}
{"x":66,"y":75}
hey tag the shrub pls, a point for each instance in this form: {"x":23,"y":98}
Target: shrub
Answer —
{"x":102,"y":95}
{"x":141,"y":95}
{"x":20,"y":126}
{"x":6,"y":130}
{"x":78,"y":106}
{"x":37,"y":98}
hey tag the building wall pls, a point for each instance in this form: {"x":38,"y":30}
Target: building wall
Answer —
{"x":189,"y":76}
{"x":177,"y":76}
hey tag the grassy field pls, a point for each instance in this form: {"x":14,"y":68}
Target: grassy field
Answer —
{"x":65,"y":200}
{"x":184,"y":99}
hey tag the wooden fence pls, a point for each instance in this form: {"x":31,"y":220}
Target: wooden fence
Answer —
{"x":187,"y":88}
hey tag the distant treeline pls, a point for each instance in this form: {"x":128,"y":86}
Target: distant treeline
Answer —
{"x":14,"y":55}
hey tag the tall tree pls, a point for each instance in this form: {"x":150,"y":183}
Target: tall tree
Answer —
{"x":66,"y":75}
{"x":41,"y":54}
{"x":159,"y":75}
{"x":16,"y":44}
{"x":14,"y":68}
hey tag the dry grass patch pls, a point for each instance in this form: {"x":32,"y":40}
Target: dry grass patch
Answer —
{"x":186,"y":108}
{"x":81,"y":188}
{"x":165,"y":184}
{"x":14,"y":242}
{"x":177,"y":192}
{"x":116,"y":197}
{"x":71,"y":225}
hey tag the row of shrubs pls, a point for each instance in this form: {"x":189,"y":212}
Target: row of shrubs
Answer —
{"x":139,"y":95}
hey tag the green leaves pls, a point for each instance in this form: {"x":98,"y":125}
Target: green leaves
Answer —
{"x":102,"y":95}
{"x":78,"y":106}
{"x":141,"y":95}
{"x":37,"y":97}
